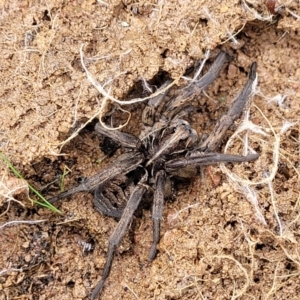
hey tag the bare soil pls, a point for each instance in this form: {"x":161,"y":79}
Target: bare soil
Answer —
{"x":214,"y":243}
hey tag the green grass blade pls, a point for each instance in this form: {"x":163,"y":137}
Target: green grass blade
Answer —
{"x":44,"y":202}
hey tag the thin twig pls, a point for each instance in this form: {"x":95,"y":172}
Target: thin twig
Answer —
{"x":17,"y":222}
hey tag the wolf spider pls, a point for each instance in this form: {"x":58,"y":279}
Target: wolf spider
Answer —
{"x":168,"y":147}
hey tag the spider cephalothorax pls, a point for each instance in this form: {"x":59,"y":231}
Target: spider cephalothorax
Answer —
{"x":167,"y":147}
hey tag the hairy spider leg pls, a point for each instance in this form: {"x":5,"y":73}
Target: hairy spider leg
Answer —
{"x":157,"y":211}
{"x":182,"y":131}
{"x":237,"y":107}
{"x":152,"y":109}
{"x":127,"y":164}
{"x":104,"y":205}
{"x":174,"y":108}
{"x":207,"y":159}
{"x":124,"y":139}
{"x":196,"y":87}
{"x":119,"y":232}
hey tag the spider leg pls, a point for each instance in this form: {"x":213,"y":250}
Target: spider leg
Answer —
{"x":216,"y":136}
{"x":109,"y":198}
{"x":150,"y":111}
{"x":119,"y":232}
{"x":127,"y":164}
{"x":207,"y":159}
{"x":103,"y":204}
{"x":194,"y":89}
{"x":213,"y":72}
{"x":157,"y":211}
{"x":182,"y":131}
{"x":122,"y":138}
